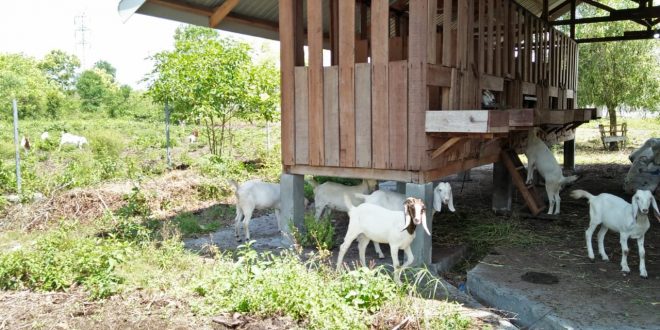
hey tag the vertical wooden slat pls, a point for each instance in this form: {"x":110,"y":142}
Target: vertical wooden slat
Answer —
{"x":315,"y":79}
{"x":302,"y":116}
{"x":519,"y":36}
{"x":447,"y":49}
{"x":528,"y":46}
{"x":432,"y":31}
{"x":346,"y":83}
{"x":363,"y":114}
{"x":379,"y":90}
{"x":334,"y":32}
{"x":398,"y":105}
{"x":417,"y":90}
{"x":287,"y":63}
{"x":553,"y":57}
{"x":498,"y":42}
{"x":491,"y":26}
{"x":506,"y":34}
{"x":331,"y":115}
{"x":462,"y":34}
{"x":481,"y":16}
{"x":513,"y":18}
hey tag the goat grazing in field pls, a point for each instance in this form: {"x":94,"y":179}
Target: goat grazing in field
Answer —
{"x":370,"y":222}
{"x":192,"y":138}
{"x":330,"y":195}
{"x":540,"y":158}
{"x":76,"y":140}
{"x":394,"y":201}
{"x":45,"y":136}
{"x":630,"y":220}
{"x":255,"y":195}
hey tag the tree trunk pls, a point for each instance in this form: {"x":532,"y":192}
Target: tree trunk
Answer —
{"x":611,"y":110}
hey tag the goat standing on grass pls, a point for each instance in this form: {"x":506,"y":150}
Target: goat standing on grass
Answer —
{"x":255,"y":195}
{"x":68,"y":138}
{"x":370,"y":222}
{"x":630,"y":220}
{"x":540,"y":158}
{"x":192,"y":138}
{"x":45,"y":136}
{"x":25,"y":143}
{"x":394,"y":201}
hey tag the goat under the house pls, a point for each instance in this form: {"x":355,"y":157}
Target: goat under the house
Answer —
{"x":330,"y":195}
{"x":254,"y":195}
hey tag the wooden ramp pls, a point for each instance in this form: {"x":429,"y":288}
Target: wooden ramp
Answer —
{"x":518,"y":176}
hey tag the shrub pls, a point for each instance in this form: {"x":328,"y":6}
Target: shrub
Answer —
{"x":319,"y":234}
{"x":136,"y":204}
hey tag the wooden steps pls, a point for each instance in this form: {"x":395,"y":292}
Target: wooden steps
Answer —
{"x":518,"y":176}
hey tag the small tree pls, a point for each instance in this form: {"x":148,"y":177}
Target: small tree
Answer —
{"x":213,"y":79}
{"x":619,"y":73}
{"x":60,"y":68}
{"x":96,"y":89}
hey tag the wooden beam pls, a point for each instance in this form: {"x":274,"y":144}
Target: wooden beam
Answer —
{"x":617,"y":38}
{"x":221,"y":12}
{"x":458,"y":166}
{"x":617,"y":15}
{"x":365,"y":173}
{"x":445,"y":146}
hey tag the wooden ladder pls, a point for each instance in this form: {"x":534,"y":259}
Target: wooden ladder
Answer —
{"x":518,"y":176}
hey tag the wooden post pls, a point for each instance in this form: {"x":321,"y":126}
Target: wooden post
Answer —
{"x":18,"y":150}
{"x":569,"y":155}
{"x":502,"y":188}
{"x":287,"y":63}
{"x":417,"y":89}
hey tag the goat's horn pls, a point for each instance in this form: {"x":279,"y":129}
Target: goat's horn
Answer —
{"x":426,"y":228}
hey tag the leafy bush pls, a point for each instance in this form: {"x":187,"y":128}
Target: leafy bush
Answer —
{"x":209,"y":191}
{"x":59,"y":260}
{"x":189,"y":224}
{"x":136,"y":204}
{"x":367,"y":289}
{"x":319,"y":234}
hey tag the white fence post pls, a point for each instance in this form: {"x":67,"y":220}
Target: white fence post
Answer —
{"x":167,"y":135}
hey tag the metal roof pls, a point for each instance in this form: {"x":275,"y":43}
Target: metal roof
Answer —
{"x":260,"y":17}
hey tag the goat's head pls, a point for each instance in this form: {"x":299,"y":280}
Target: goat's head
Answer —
{"x":442,"y":195}
{"x":642,"y":201}
{"x":371,"y":184}
{"x":414,"y":211}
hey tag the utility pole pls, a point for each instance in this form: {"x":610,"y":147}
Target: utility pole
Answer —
{"x":81,"y":32}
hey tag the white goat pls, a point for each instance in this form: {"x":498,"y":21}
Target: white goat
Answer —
{"x":255,"y":195}
{"x":331,"y":194}
{"x":540,"y":158}
{"x":630,"y":220}
{"x":68,"y":138}
{"x":394,"y":201}
{"x":192,"y":138}
{"x":370,"y":222}
{"x":45,"y":136}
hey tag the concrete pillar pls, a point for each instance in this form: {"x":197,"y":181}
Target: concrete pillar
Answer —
{"x":502,"y":188}
{"x":401,"y":187}
{"x":292,"y":203}
{"x":569,"y":155}
{"x":421,"y":246}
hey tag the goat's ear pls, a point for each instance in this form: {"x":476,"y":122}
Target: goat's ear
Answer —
{"x":406,"y":213}
{"x":635,"y":208}
{"x":655,"y":208}
{"x":437,"y":201}
{"x":451,"y":200}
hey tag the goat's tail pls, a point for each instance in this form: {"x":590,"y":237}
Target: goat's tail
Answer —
{"x":579,"y":193}
{"x":348,"y":202}
{"x":568,"y":179}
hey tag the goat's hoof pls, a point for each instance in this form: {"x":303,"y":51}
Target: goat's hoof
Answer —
{"x":593,"y":260}
{"x":381,"y":257}
{"x":625,"y":274}
{"x":645,"y":277}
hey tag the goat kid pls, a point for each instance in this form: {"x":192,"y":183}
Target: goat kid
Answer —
{"x":540,"y":158}
{"x":254,"y":195}
{"x":630,"y":220}
{"x":45,"y":136}
{"x":192,"y":138}
{"x":25,"y":144}
{"x":393,"y":201}
{"x":370,"y":222}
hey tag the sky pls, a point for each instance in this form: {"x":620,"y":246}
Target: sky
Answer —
{"x":35,"y":27}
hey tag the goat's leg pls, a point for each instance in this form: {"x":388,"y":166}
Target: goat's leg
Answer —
{"x":237,"y":222}
{"x":557,"y":201}
{"x":363,"y":241}
{"x":378,"y":250}
{"x":318,"y":211}
{"x":530,"y":170}
{"x":348,"y":239}
{"x":394,"y":251}
{"x":601,"y":243}
{"x":588,"y":234}
{"x":551,"y":198}
{"x":409,"y":257}
{"x":246,"y":224}
{"x":642,"y":260}
{"x":623,"y":239}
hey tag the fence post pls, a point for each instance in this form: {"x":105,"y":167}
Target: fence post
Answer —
{"x":18,"y":151}
{"x":167,"y":135}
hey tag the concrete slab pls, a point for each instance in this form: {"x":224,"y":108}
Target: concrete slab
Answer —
{"x":571,"y":303}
